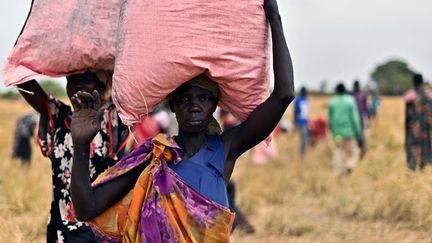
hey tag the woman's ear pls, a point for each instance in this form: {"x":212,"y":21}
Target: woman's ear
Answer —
{"x":171,"y":105}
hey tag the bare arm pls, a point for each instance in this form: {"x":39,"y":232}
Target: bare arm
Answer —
{"x":34,"y":95}
{"x":266,"y":116}
{"x":88,"y":202}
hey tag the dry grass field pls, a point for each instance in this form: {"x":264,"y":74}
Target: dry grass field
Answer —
{"x":380,"y":202}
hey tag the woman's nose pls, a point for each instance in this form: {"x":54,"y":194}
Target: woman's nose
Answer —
{"x":195,"y":106}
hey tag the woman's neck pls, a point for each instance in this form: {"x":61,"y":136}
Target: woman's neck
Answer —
{"x":190,"y":143}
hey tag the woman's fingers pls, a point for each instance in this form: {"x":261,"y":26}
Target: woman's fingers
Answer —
{"x":96,"y":100}
{"x":87,"y":100}
{"x":75,"y":103}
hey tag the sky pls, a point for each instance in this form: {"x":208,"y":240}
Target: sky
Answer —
{"x":332,"y":40}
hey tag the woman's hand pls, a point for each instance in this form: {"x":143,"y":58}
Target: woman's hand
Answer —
{"x":86,"y":118}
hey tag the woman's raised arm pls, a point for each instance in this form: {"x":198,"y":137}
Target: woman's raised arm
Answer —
{"x":88,"y":202}
{"x":266,"y":116}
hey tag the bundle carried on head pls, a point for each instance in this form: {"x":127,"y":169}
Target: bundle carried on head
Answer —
{"x":155,"y":46}
{"x":163,"y":44}
{"x":64,"y":37}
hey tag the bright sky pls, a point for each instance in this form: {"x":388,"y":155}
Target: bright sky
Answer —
{"x":329,"y":40}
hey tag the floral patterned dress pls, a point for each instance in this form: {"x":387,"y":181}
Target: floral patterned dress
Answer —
{"x":55,"y":141}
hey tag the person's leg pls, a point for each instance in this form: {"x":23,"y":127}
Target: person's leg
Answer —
{"x":337,"y":156}
{"x":23,"y":151}
{"x":304,"y":135}
{"x":413,"y":156}
{"x":361,"y":143}
{"x":354,"y":154}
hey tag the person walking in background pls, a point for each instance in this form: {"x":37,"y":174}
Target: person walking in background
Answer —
{"x":317,"y":130}
{"x":301,"y":120}
{"x":344,"y":123}
{"x":418,"y":124}
{"x":24,"y":131}
{"x":361,"y":99}
{"x":375,"y":103}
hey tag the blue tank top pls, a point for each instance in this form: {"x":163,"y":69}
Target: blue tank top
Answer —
{"x":204,"y":170}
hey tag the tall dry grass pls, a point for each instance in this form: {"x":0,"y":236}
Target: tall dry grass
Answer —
{"x":381,"y":202}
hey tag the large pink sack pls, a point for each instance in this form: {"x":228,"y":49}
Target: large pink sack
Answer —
{"x":64,"y":37}
{"x":167,"y":42}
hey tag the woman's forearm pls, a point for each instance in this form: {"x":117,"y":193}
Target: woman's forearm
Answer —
{"x":90,"y":202}
{"x":81,"y":190}
{"x":34,"y":94}
{"x":282,"y":64}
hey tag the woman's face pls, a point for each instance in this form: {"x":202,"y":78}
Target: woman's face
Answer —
{"x":87,"y":82}
{"x":194,"y":108}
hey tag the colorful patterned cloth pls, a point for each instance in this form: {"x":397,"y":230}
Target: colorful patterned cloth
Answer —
{"x":161,"y":207}
{"x":418,"y":128}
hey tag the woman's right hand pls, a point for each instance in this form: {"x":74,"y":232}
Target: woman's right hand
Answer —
{"x":86,"y":118}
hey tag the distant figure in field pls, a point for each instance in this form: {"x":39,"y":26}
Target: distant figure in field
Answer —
{"x":344,"y":123}
{"x":418,"y":124}
{"x":317,"y":130}
{"x":24,"y":131}
{"x":301,"y":120}
{"x":361,"y":98}
{"x":375,"y":103}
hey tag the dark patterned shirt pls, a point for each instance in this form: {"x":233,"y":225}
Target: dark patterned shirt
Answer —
{"x":418,"y":128}
{"x":55,"y":141}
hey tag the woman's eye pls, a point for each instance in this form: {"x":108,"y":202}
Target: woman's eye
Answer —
{"x":183,"y":99}
{"x":205,"y":98}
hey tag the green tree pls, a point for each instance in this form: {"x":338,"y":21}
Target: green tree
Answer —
{"x":53,"y":87}
{"x":392,"y":77}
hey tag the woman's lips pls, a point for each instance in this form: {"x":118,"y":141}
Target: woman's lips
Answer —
{"x":195,"y":122}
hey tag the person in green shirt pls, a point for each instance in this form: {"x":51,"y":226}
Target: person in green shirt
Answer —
{"x":345,"y":126}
